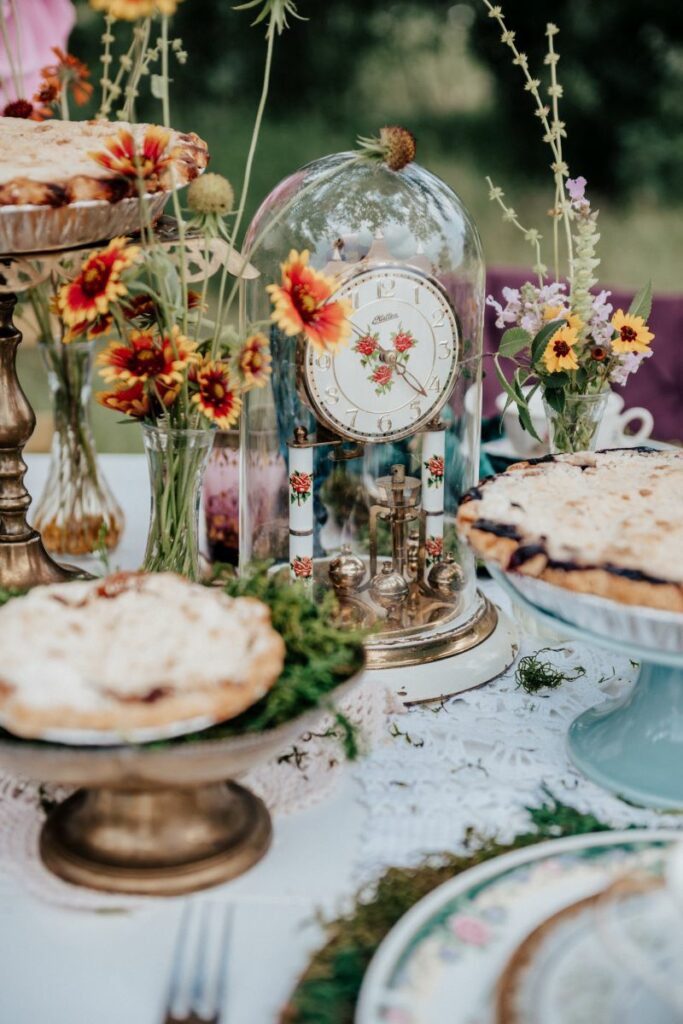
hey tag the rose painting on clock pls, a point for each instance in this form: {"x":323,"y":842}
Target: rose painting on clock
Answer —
{"x":401,"y":365}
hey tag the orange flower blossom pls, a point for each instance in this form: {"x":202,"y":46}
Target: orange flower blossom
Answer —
{"x":301,"y":304}
{"x":126,"y":156}
{"x":69,"y":72}
{"x":146,"y":356}
{"x":255,"y":360}
{"x":216,"y":396}
{"x":97,"y":285}
{"x":132,"y":400}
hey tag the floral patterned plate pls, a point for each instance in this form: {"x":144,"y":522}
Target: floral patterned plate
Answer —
{"x":441,"y":963}
{"x":613,"y":956}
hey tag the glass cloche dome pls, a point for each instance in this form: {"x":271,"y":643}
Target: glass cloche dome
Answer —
{"x":353,"y":459}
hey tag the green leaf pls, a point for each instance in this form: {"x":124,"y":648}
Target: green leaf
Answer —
{"x":506,"y":386}
{"x":513,"y":341}
{"x":555,"y":398}
{"x":558,"y":380}
{"x":539,"y":343}
{"x":523,"y":407}
{"x":581,"y":376}
{"x":642,"y":302}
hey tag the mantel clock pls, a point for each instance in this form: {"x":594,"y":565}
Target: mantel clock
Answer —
{"x":374,"y":434}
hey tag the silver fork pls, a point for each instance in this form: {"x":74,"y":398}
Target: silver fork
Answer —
{"x":198,"y":982}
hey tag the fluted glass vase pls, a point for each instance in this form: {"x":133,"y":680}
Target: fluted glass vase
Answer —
{"x":77,"y":513}
{"x":575,"y":427}
{"x":176,"y":460}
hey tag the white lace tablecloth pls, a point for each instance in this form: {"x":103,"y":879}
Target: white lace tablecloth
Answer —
{"x":474,"y":761}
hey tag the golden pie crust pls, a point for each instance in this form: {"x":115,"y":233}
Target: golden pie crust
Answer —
{"x":132,"y":651}
{"x":604,"y":523}
{"x":49,"y":163}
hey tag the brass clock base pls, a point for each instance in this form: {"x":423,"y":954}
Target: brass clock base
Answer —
{"x":25,"y":563}
{"x":473,"y":661}
{"x":156,"y":842}
{"x":383,"y":651}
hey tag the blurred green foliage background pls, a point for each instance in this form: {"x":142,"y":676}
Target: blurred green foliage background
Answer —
{"x":439,"y":68}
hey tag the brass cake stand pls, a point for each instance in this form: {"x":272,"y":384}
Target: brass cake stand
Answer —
{"x":157,"y":820}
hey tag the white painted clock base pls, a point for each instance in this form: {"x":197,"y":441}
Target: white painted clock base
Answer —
{"x":435,"y":680}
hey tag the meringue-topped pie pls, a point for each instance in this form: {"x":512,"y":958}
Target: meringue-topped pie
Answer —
{"x":132,"y":651}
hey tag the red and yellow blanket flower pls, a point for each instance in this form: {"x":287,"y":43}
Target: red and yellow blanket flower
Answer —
{"x":130,"y":399}
{"x":146,"y":160}
{"x":67,"y":73}
{"x":255,"y":361}
{"x":632,"y":333}
{"x":131,"y":10}
{"x":303,"y":304}
{"x":97,"y":285}
{"x":559,"y":352}
{"x":145,"y":355}
{"x":216,"y":396}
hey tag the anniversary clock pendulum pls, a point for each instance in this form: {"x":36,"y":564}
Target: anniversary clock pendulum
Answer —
{"x":373,"y":433}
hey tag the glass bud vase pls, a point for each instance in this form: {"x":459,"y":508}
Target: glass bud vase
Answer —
{"x":575,"y":429}
{"x":77,"y":513}
{"x":176,"y":460}
{"x":221,"y":498}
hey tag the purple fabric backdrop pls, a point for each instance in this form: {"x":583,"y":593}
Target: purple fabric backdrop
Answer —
{"x":658,"y":385}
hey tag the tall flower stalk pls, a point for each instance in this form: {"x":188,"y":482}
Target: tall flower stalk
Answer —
{"x":560,"y":337}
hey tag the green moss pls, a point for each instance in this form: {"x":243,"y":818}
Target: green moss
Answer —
{"x":533,"y":673}
{"x":328,"y":989}
{"x":319,"y":657}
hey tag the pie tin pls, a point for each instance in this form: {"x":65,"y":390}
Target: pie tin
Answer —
{"x":39,"y":229}
{"x":636,"y":625}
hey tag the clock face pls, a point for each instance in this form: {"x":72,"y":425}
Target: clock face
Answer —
{"x":400,"y":365}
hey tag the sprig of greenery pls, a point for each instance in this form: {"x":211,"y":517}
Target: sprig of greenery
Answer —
{"x":319,"y":657}
{"x":328,"y":989}
{"x":534,"y":673}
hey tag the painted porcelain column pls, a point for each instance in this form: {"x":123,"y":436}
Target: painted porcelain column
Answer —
{"x":433,"y":458}
{"x":300,"y":506}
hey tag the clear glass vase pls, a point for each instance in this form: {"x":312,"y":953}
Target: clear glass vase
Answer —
{"x":222,"y":492}
{"x":77,"y":513}
{"x":575,"y":429}
{"x":176,"y":460}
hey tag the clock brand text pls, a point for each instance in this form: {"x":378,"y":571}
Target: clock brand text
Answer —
{"x":382,"y":318}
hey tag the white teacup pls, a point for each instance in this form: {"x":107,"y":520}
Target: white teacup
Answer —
{"x":521,"y":441}
{"x":612,"y":429}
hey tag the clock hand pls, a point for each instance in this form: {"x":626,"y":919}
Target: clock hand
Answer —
{"x":410,"y":379}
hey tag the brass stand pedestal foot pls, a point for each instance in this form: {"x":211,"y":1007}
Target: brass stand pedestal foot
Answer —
{"x":156,"y":842}
{"x":26,"y":563}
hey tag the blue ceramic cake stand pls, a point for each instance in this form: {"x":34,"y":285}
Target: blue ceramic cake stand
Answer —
{"x":632,"y":745}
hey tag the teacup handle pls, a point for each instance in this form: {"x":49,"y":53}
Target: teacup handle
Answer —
{"x":646,"y":422}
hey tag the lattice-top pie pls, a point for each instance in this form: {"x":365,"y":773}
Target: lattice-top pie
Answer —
{"x":605,"y":523}
{"x":54,"y":163}
{"x":132,"y":651}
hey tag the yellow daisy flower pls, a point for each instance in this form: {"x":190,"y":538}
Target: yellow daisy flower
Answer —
{"x":131,"y":10}
{"x":559,"y":353}
{"x":557,"y":313}
{"x":632,"y":333}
